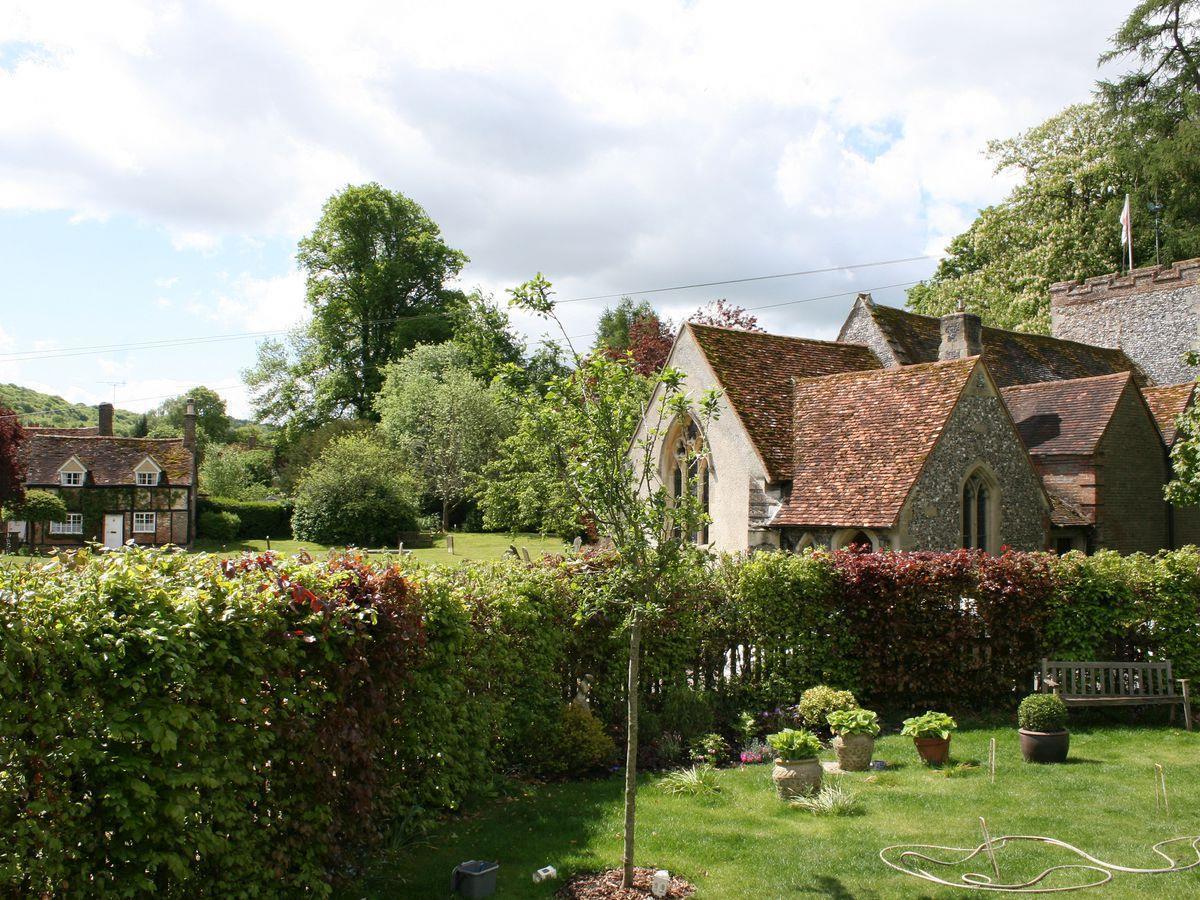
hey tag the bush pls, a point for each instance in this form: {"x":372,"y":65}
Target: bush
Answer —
{"x":794,"y":744}
{"x":1042,"y":712}
{"x":259,"y":519}
{"x":711,"y":749}
{"x":818,"y":702}
{"x":854,"y":721}
{"x":579,"y":744}
{"x":356,"y":494}
{"x":929,"y":725}
{"x":219,"y":525}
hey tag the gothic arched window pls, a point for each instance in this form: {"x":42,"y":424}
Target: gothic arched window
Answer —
{"x":978,"y":512}
{"x":688,"y":470}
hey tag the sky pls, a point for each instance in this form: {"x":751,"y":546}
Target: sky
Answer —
{"x":159,"y":161}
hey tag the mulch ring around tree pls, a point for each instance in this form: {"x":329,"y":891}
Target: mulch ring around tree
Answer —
{"x":607,"y":886}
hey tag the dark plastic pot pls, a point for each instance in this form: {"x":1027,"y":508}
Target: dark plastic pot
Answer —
{"x":1045,"y":746}
{"x":474,"y":878}
{"x":934,"y":751}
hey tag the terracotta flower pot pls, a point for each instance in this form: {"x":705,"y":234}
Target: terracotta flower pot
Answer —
{"x":1045,"y":746}
{"x":796,"y":777}
{"x":854,"y":751}
{"x":934,"y":751}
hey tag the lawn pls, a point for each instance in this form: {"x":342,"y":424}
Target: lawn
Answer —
{"x":467,"y":545}
{"x":746,"y":843}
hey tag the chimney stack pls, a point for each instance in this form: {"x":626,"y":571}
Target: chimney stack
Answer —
{"x":962,"y":335}
{"x":106,"y":419}
{"x":189,"y":425}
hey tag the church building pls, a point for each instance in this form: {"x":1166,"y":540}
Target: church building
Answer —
{"x":912,"y":432}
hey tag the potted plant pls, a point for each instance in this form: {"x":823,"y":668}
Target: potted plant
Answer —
{"x":1042,"y":724}
{"x":797,"y":769}
{"x":854,"y":733}
{"x":931,"y":735}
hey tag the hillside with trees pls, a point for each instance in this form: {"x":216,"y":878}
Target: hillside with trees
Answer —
{"x":36,"y":408}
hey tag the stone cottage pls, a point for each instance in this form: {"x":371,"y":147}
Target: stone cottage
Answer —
{"x":115,"y":488}
{"x":912,"y":432}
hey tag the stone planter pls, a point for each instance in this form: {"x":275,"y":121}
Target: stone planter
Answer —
{"x":854,"y":751}
{"x":796,"y":777}
{"x":1045,"y":746}
{"x":933,"y":751}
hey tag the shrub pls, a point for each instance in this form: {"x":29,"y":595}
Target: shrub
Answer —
{"x":929,"y":725}
{"x":579,"y":745}
{"x":818,"y":702}
{"x":259,"y":519}
{"x":237,"y":472}
{"x":37,"y":506}
{"x":754,"y":752}
{"x":793,"y":744}
{"x":686,"y":712}
{"x":1042,"y":712}
{"x":356,"y":494}
{"x":694,"y":782}
{"x":711,"y":749}
{"x":854,"y":721}
{"x":219,"y":525}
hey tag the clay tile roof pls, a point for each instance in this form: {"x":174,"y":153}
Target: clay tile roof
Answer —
{"x":49,"y":429}
{"x":109,"y":460}
{"x":862,"y":439}
{"x":755,"y":370}
{"x":1012,"y":357}
{"x":1063,"y":512}
{"x":1065,"y":416}
{"x":1167,"y":403}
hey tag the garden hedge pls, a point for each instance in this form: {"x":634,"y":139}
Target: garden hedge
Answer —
{"x":177,"y":723}
{"x":259,"y":518}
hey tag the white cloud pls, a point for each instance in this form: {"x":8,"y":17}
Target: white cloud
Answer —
{"x":613,"y":146}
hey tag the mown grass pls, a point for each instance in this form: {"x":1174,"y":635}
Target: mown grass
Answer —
{"x":467,"y":546}
{"x":743,"y":842}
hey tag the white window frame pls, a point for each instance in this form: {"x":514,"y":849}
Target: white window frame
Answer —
{"x":71,"y":479}
{"x":72,"y":473}
{"x":142,"y":529}
{"x":147,"y":468}
{"x":72,"y":525}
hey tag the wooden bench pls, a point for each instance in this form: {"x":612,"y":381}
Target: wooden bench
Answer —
{"x":1116,"y":684}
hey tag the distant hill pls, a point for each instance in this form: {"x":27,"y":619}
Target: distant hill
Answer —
{"x":36,"y":408}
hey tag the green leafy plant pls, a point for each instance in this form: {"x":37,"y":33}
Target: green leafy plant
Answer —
{"x":818,"y":702}
{"x":711,"y":749}
{"x":854,"y":721}
{"x":747,"y":727}
{"x":794,"y":744}
{"x":1042,"y":712}
{"x":219,"y":525}
{"x":579,"y":743}
{"x":929,"y":725}
{"x":696,"y":781}
{"x":831,"y":800}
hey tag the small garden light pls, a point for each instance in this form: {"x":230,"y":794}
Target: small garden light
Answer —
{"x":660,"y":883}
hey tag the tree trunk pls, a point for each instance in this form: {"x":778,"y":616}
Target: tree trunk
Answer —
{"x":631,"y":745}
{"x":446,"y":516}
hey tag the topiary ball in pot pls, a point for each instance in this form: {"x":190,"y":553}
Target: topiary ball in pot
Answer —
{"x":818,"y":702}
{"x":1042,"y":725}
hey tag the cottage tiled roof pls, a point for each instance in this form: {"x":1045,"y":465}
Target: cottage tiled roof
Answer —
{"x":1063,"y":512}
{"x":1066,"y":417}
{"x":1012,"y":357}
{"x":862,"y":439}
{"x":1166,"y":403}
{"x":49,"y":429}
{"x":755,"y":370}
{"x":109,"y":460}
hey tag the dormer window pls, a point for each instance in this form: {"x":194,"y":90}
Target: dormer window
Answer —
{"x":72,"y":472}
{"x":147,"y":473}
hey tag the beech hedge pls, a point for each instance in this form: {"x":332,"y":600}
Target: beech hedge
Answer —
{"x":257,"y":519}
{"x":178,"y":723}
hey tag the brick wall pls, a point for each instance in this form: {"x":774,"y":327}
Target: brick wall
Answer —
{"x":1152,"y":314}
{"x":1131,"y":514}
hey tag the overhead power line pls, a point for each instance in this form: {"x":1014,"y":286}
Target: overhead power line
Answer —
{"x":169,"y":343}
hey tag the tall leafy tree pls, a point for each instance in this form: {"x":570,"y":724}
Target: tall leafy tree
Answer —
{"x":484,"y":334}
{"x":724,"y":314}
{"x":446,"y":424}
{"x":377,"y":272}
{"x":212,"y":418}
{"x":618,"y":488}
{"x":612,"y":332}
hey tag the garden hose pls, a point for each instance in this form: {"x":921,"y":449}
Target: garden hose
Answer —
{"x":1101,"y":871}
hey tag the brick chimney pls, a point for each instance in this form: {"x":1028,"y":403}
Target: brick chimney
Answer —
{"x":189,"y":425}
{"x":106,"y":419}
{"x":962,"y":335}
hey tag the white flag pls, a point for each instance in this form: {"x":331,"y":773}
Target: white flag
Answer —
{"x":1127,"y":230}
